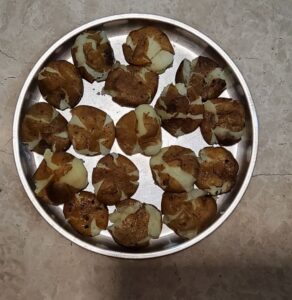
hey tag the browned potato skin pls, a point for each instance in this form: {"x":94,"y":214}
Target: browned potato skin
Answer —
{"x":223,"y":168}
{"x":51,"y":87}
{"x":126,"y":132}
{"x":190,"y":218}
{"x":93,"y":119}
{"x":55,"y":193}
{"x":178,"y":103}
{"x":101,"y":60}
{"x":138,"y":57}
{"x":132,"y":90}
{"x":115,"y":179}
{"x":231,"y":115}
{"x":82,"y":209}
{"x":176,"y":156}
{"x":32,"y":129}
{"x":197,"y":85}
{"x":134,"y":228}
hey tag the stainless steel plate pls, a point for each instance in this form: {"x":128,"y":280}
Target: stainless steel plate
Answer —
{"x":188,"y":43}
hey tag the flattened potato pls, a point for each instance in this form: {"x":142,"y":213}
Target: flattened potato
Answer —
{"x":86,"y":214}
{"x":44,"y":128}
{"x":139,"y":131}
{"x":187,"y":214}
{"x":59,"y":176}
{"x":114,"y":178}
{"x":224,"y":121}
{"x":218,"y":170}
{"x":60,"y":84}
{"x":135,"y":223}
{"x":175,"y":169}
{"x":131,"y":86}
{"x":93,"y":55}
{"x":202,"y":77}
{"x":179,"y":114}
{"x":91,"y":130}
{"x":149,"y":47}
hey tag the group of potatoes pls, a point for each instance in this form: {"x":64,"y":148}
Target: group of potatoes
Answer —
{"x":181,"y":108}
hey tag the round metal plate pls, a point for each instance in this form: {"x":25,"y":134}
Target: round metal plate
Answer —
{"x":188,"y":43}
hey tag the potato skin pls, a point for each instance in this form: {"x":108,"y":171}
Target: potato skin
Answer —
{"x":60,"y":84}
{"x":82,"y":210}
{"x":42,"y":122}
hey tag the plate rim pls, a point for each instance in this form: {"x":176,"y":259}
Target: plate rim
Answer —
{"x":121,"y":254}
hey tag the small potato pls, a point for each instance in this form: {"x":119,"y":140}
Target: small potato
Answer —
{"x":44,"y":128}
{"x":224,"y":121}
{"x":139,"y":131}
{"x":218,"y":170}
{"x":59,"y":176}
{"x":175,"y":169}
{"x":188,"y":214}
{"x":135,"y":223}
{"x":114,"y":178}
{"x":131,"y":86}
{"x":149,"y":47}
{"x":60,"y":84}
{"x":179,"y":114}
{"x":202,"y":77}
{"x":91,"y":130}
{"x":93,"y":55}
{"x":86,"y":214}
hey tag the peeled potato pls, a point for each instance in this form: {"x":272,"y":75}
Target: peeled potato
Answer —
{"x":202,"y":77}
{"x":224,"y":121}
{"x":187,"y":214}
{"x":135,"y":223}
{"x":93,"y":55}
{"x":91,"y":130}
{"x":59,"y":176}
{"x":44,"y":128}
{"x":179,"y":114}
{"x":131,"y":85}
{"x":139,"y":131}
{"x":149,"y":47}
{"x":218,"y":170}
{"x":60,"y":84}
{"x":86,"y":214}
{"x":114,"y":178}
{"x":175,"y":169}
